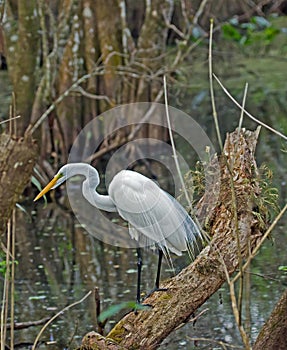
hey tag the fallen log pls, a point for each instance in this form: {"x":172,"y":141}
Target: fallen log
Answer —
{"x":234,"y":225}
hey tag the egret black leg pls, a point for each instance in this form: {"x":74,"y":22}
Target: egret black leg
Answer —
{"x":156,"y":287}
{"x":139,"y":263}
{"x":160,"y":253}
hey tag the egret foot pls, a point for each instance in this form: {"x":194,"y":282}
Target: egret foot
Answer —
{"x":140,"y":306}
{"x":155,"y":289}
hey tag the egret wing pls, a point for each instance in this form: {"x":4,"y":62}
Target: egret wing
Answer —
{"x":155,"y":217}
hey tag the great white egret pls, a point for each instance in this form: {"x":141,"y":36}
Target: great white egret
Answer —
{"x":155,"y":218}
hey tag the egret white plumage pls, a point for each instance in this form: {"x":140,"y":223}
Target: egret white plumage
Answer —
{"x":155,"y":218}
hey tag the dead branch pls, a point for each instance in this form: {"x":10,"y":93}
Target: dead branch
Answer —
{"x":28,"y":324}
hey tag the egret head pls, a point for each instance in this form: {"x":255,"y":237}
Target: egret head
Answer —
{"x":57,"y":180}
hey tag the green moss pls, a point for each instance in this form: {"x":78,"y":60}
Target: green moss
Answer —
{"x":164,"y":296}
{"x":117,"y":332}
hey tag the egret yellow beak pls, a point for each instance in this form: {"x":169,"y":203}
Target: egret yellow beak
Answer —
{"x":51,"y":184}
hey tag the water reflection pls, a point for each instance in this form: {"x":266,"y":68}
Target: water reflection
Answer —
{"x":59,"y":262}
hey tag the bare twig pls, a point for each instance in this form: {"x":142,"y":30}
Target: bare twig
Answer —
{"x":184,"y":13}
{"x":241,"y":114}
{"x":5,"y":298}
{"x":242,"y":109}
{"x":193,"y":319}
{"x":93,"y":96}
{"x":199,"y":12}
{"x":247,"y":113}
{"x":203,"y":236}
{"x":240,"y":292}
{"x":23,"y":325}
{"x":174,"y":27}
{"x":214,"y":112}
{"x":104,"y":150}
{"x":57,"y":315}
{"x":8,"y":120}
{"x":236,"y":313}
{"x":12,"y":281}
{"x":173,"y":147}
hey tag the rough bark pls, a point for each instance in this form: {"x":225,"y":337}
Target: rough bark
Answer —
{"x":110,"y":33}
{"x":273,"y":335}
{"x":187,"y":291}
{"x":69,"y":70}
{"x":151,"y":52}
{"x":17,"y":158}
{"x":22,"y":41}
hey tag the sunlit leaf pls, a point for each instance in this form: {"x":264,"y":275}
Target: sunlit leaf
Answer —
{"x":37,"y":184}
{"x":114,"y":309}
{"x":19,"y":206}
{"x":230,"y":32}
{"x":270,"y":33}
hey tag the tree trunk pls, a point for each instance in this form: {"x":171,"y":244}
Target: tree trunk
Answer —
{"x":22,"y":41}
{"x":187,"y":291}
{"x":70,"y":69}
{"x":273,"y":335}
{"x":17,"y":159}
{"x":109,"y":36}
